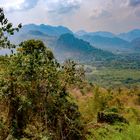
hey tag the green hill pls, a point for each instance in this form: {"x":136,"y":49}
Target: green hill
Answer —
{"x":68,"y":46}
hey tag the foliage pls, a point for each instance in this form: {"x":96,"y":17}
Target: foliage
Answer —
{"x":105,"y":117}
{"x":35,"y":102}
{"x":72,"y":73}
{"x":116,"y":132}
{"x":6,"y":28}
{"x":36,"y":97}
{"x":112,"y":77}
{"x":117,"y":105}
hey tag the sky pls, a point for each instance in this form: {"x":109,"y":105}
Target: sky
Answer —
{"x":91,"y":15}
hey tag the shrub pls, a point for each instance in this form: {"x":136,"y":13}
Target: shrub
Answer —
{"x":110,"y":118}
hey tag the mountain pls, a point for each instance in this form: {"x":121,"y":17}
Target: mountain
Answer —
{"x":34,"y":34}
{"x":102,"y":34}
{"x":99,"y":33}
{"x":81,"y":32}
{"x":79,"y":46}
{"x":46,"y":29}
{"x":129,"y":36}
{"x":113,"y":44}
{"x":70,"y":47}
{"x":136,"y":44}
{"x":48,"y":34}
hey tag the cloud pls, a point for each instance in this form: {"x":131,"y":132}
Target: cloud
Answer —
{"x":18,"y":5}
{"x":28,"y":4}
{"x":137,"y":12}
{"x":63,"y":6}
{"x":100,"y":13}
{"x":91,"y":15}
{"x":134,"y":3}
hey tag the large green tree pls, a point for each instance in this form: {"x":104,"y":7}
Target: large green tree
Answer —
{"x":36,"y":96}
{"x":31,"y":85}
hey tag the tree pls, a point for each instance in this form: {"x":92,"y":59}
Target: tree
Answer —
{"x":36,"y":95}
{"x":73,"y":74}
{"x":32,"y":86}
{"x":6,"y":28}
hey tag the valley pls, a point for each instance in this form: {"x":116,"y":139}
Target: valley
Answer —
{"x":74,"y":85}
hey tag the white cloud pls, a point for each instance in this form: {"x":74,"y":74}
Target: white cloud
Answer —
{"x":100,"y":13}
{"x":16,"y":5}
{"x":92,"y":15}
{"x":134,"y":2}
{"x":11,"y":4}
{"x":62,"y":6}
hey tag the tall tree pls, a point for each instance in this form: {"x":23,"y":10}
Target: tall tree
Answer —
{"x":35,"y":93}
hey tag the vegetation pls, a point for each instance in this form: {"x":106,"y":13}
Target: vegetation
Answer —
{"x":41,"y":99}
{"x":110,"y":77}
{"x":6,"y":28}
{"x":36,"y":97}
{"x":120,"y":109}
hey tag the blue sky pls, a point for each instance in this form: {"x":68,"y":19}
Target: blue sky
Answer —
{"x":91,"y":15}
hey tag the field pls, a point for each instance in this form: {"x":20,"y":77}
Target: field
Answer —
{"x":121,"y":101}
{"x":114,"y":77}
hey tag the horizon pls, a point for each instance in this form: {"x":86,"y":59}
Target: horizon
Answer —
{"x":115,"y":16}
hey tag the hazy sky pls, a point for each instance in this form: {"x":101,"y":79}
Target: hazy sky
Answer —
{"x":91,"y":15}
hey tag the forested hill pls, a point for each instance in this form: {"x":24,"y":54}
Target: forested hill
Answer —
{"x":69,"y":46}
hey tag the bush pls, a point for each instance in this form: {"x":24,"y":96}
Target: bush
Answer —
{"x":110,"y":118}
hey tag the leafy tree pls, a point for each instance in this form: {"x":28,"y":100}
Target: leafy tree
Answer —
{"x":6,"y":28}
{"x":37,"y":97}
{"x":32,"y":86}
{"x":72,"y":73}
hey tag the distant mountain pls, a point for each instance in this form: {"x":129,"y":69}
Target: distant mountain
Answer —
{"x":113,"y":44}
{"x":79,"y":46}
{"x":136,"y":44}
{"x":102,"y":34}
{"x":34,"y":34}
{"x":68,"y":46}
{"x":81,"y":33}
{"x":129,"y":36}
{"x":99,"y":33}
{"x":48,"y":34}
{"x":46,"y":29}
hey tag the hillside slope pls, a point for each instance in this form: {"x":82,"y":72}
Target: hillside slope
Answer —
{"x":69,"y":46}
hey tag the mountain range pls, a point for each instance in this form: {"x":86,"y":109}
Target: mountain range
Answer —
{"x":46,"y":29}
{"x":127,"y":36}
{"x":81,"y":45}
{"x":121,"y":43}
